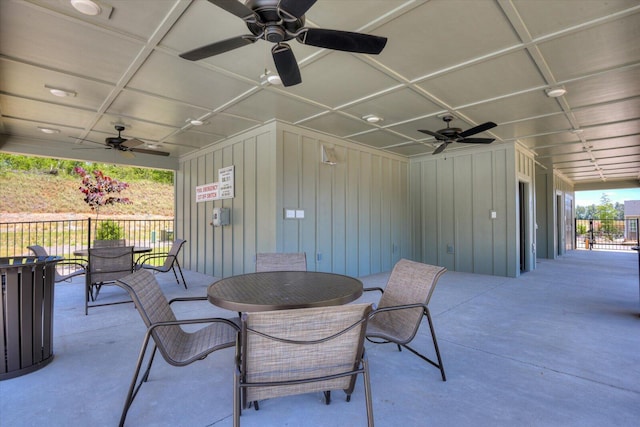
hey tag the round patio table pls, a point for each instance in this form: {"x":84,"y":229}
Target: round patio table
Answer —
{"x":136,"y":250}
{"x":283,"y":290}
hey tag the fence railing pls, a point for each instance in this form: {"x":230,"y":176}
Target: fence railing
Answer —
{"x":62,"y":238}
{"x":608,"y":234}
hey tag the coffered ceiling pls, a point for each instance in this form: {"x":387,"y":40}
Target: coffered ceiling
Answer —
{"x":478,"y":60}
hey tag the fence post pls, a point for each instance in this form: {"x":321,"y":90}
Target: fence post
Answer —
{"x":89,"y":234}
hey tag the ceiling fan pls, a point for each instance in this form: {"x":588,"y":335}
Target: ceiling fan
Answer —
{"x":126,"y":145}
{"x":449,"y":135}
{"x":278,"y":21}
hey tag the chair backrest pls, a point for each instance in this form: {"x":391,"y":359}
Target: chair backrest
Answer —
{"x":173,"y":252}
{"x":38,"y":250}
{"x":410,"y":282}
{"x":296,"y":261}
{"x":109,"y":243}
{"x":107,"y":264}
{"x":153,"y":308}
{"x":307,"y":343}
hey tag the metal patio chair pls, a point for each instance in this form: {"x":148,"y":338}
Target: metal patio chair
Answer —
{"x":170,"y":261}
{"x":273,"y":261}
{"x":65,"y":269}
{"x":177,"y":347}
{"x":288,"y":352}
{"x":402,"y":306}
{"x":106,"y":265}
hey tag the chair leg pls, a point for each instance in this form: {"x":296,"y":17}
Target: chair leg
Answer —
{"x":327,"y":397}
{"x":181,"y":275}
{"x":133,"y":389}
{"x":237,"y":407}
{"x":438,"y":365}
{"x":367,"y":391}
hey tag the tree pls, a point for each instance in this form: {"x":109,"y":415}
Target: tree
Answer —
{"x":101,"y":192}
{"x":606,"y":213}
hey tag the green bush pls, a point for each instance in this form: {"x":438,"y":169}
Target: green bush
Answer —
{"x":109,"y":230}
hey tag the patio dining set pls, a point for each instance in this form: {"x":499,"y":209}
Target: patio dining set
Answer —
{"x":296,"y":331}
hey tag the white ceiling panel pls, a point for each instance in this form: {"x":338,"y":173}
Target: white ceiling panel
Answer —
{"x":480,"y":60}
{"x":442,"y":33}
{"x":340,"y":78}
{"x":336,"y":124}
{"x":154,"y":109}
{"x":394,"y":107}
{"x":595,"y":49}
{"x":36,"y":36}
{"x":265,"y":105}
{"x":378,"y":138}
{"x":499,"y":76}
{"x":187,"y":82}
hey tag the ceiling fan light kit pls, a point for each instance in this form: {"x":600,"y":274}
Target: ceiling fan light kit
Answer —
{"x":278,"y":21}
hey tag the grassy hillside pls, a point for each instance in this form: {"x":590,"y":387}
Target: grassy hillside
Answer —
{"x":24,"y":192}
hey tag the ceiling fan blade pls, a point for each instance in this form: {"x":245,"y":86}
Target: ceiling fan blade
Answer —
{"x":286,"y":64}
{"x":145,"y":151}
{"x":343,"y":40}
{"x":476,"y":140}
{"x":236,"y":8}
{"x":440,"y":148}
{"x":295,"y":8}
{"x":478,"y":129}
{"x":133,"y":142}
{"x":218,"y":47}
{"x":436,"y":135}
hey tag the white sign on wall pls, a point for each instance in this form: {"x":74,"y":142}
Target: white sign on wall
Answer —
{"x":207,"y":192}
{"x":223,"y":189}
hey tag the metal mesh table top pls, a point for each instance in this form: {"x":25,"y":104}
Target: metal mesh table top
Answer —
{"x":283,"y":290}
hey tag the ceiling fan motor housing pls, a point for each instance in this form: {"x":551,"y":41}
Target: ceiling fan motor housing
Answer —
{"x":275,"y":28}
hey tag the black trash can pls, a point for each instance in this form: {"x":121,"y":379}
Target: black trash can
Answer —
{"x":26,"y":314}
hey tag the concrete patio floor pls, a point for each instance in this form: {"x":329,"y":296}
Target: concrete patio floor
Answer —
{"x":559,"y":346}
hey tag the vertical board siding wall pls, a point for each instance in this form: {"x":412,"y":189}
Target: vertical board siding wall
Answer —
{"x":452,"y":198}
{"x":229,"y":250}
{"x":356,"y":213}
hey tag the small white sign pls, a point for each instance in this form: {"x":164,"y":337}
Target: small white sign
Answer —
{"x":207,"y":192}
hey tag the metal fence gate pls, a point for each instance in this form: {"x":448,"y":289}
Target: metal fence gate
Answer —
{"x":607,"y":234}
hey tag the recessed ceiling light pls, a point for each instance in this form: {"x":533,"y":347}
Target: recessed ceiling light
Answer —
{"x":48,"y":130}
{"x":196,"y":122}
{"x":87,"y":7}
{"x":60,"y":92}
{"x":372,"y":118}
{"x":555,"y":92}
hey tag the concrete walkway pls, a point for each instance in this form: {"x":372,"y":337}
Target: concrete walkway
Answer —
{"x":559,"y":346}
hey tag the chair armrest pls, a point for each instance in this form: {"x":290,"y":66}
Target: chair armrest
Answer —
{"x":374,"y":289}
{"x":187,"y":299}
{"x":144,"y":258}
{"x":398,"y":307}
{"x":194,"y":321}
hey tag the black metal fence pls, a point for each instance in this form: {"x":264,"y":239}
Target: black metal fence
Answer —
{"x":607,"y":234}
{"x":62,"y":238}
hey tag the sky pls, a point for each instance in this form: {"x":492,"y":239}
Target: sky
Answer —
{"x":588,"y":198}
